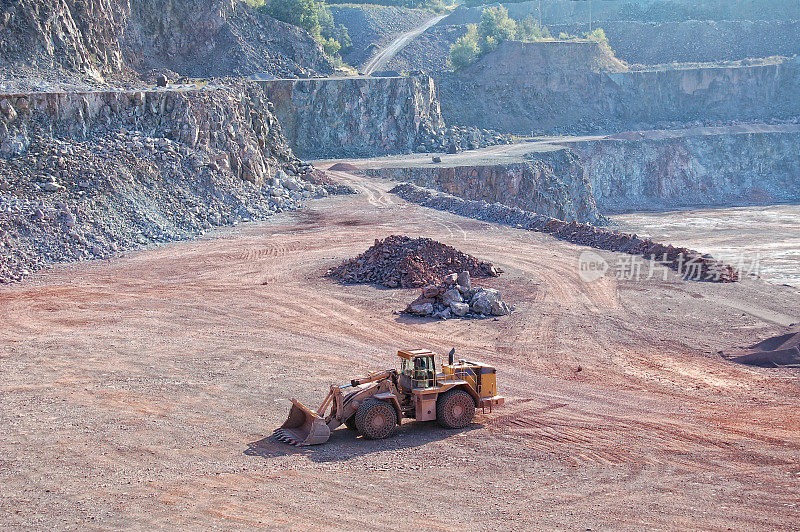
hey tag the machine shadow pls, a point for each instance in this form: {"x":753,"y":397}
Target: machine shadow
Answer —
{"x":345,"y":444}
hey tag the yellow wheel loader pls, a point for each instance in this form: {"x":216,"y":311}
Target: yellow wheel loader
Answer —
{"x":374,"y":405}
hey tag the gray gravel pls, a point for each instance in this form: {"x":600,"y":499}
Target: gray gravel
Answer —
{"x":67,"y":200}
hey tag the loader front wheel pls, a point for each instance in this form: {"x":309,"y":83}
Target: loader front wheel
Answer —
{"x":375,"y":419}
{"x":455,"y":409}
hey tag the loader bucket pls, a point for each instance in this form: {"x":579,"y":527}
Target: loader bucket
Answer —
{"x":303,"y":427}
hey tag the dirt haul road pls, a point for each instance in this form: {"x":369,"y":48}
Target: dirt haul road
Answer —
{"x":379,"y":60}
{"x":140,"y":392}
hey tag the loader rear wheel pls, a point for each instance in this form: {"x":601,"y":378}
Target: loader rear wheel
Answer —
{"x":375,"y":419}
{"x":455,"y":409}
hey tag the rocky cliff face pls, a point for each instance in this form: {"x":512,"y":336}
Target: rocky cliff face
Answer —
{"x":199,"y":38}
{"x":73,"y":35}
{"x":525,"y":87}
{"x":572,"y":12}
{"x":84,"y":175}
{"x":357,"y":116}
{"x":233,"y":124}
{"x":662,"y":171}
{"x":208,"y":38}
{"x":551,"y":183}
{"x":728,"y":40}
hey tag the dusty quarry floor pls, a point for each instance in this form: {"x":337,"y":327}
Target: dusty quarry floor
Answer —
{"x":140,"y":392}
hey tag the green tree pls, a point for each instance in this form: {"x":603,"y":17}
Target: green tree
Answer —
{"x":529,"y":29}
{"x":302,"y":13}
{"x":466,"y":49}
{"x":495,"y":27}
{"x":316,"y":18}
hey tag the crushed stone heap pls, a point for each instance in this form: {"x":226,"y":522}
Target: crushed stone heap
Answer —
{"x":401,"y":261}
{"x":457,"y":298}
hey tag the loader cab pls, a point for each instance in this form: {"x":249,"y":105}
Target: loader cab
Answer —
{"x":417,"y":369}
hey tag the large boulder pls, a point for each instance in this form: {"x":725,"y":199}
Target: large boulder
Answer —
{"x":459,"y":309}
{"x":480,"y":304}
{"x":421,"y":309}
{"x":488,"y":301}
{"x":452,"y":296}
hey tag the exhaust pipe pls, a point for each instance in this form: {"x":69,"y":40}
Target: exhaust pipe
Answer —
{"x":451,"y":356}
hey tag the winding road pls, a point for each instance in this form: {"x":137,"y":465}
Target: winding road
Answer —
{"x":379,"y":60}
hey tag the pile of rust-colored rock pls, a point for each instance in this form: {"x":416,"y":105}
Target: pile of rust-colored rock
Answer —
{"x":403,"y":262}
{"x":456,"y":298}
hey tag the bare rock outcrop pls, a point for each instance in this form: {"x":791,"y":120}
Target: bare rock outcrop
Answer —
{"x":99,"y":40}
{"x":565,"y":87}
{"x":356,"y":116}
{"x":85,"y":175}
{"x":552,"y":183}
{"x":211,"y":38}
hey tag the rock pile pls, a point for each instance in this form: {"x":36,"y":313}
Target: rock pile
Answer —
{"x":456,"y":298}
{"x":400,"y":261}
{"x":689,"y":263}
{"x":778,"y":351}
{"x":457,"y":139}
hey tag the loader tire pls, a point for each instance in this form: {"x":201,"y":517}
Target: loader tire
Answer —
{"x":455,"y":409}
{"x":375,"y":419}
{"x":350,"y":422}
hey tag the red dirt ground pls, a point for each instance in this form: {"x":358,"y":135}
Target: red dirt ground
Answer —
{"x":140,"y":392}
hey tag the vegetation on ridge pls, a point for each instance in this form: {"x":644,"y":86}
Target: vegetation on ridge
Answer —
{"x":313,"y":16}
{"x":494,"y":28}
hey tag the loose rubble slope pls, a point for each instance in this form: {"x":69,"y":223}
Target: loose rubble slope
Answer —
{"x":401,"y":261}
{"x":781,"y":350}
{"x":66,"y":43}
{"x":86,"y":175}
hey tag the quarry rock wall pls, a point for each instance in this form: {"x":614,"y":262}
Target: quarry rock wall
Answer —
{"x":757,"y":167}
{"x":577,"y":12}
{"x":551,"y":183}
{"x":197,"y":38}
{"x":78,"y":35}
{"x":355,"y":117}
{"x":234,"y":124}
{"x":537,"y":87}
{"x":726,"y":40}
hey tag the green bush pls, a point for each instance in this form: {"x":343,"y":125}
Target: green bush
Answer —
{"x":494,"y":28}
{"x":316,"y":18}
{"x":528,"y":29}
{"x":466,"y":49}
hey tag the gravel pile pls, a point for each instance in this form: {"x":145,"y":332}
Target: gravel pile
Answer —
{"x":689,"y":263}
{"x":778,"y":351}
{"x":456,"y":298}
{"x":66,"y":200}
{"x":400,"y":261}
